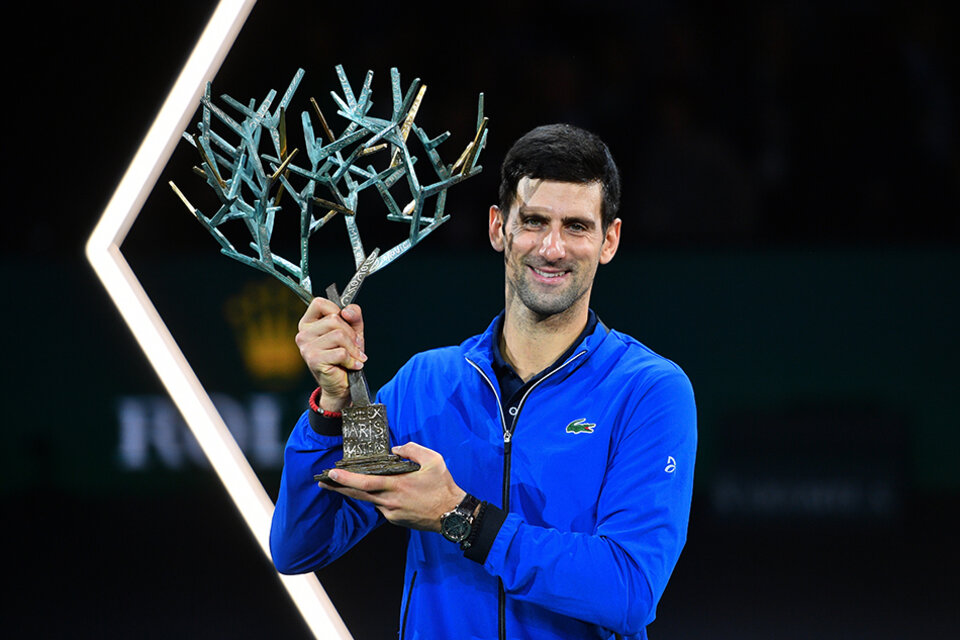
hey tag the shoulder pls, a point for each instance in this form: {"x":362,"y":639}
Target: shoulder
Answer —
{"x":654,"y":386}
{"x":658,"y":402}
{"x":639,"y":363}
{"x":440,"y":358}
{"x":442,"y":362}
{"x":445,"y":359}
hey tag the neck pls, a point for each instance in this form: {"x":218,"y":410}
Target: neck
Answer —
{"x":530,"y":343}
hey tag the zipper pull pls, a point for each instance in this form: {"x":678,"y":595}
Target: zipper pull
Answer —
{"x":507,"y":436}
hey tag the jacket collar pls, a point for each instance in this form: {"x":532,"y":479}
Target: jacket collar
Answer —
{"x":479,"y":349}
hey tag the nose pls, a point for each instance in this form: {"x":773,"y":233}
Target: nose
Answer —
{"x":552,"y":248}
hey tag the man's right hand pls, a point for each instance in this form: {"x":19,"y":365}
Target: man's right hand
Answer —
{"x":331,"y":343}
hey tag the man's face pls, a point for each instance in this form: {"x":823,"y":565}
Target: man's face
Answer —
{"x":552,"y":239}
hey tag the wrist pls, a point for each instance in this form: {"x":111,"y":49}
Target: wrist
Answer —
{"x":327,"y":404}
{"x":475,"y":526}
{"x":456,"y":499}
{"x":323,"y":422}
{"x":455,"y":525}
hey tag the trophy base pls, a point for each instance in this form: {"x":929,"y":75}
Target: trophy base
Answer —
{"x":380,"y":465}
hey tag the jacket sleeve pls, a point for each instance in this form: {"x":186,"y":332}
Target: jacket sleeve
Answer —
{"x":312,"y":527}
{"x":615,"y":575}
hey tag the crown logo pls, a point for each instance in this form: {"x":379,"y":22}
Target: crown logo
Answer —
{"x":262,"y":316}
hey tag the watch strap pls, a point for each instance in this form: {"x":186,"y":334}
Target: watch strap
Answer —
{"x":462,"y":514}
{"x":474,"y":527}
{"x":468,"y":506}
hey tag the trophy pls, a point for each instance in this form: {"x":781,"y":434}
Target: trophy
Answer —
{"x":252,"y":187}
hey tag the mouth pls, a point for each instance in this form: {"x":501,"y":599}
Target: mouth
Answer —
{"x":549,"y":275}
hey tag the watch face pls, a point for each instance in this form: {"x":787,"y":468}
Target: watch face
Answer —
{"x":455,"y":527}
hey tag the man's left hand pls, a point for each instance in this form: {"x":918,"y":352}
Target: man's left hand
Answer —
{"x":415,"y":500}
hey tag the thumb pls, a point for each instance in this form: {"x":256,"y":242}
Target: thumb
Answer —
{"x":413,"y":451}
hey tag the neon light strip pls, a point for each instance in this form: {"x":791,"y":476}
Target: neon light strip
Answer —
{"x":103,"y":252}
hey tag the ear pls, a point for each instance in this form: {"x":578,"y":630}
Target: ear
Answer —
{"x":495,"y":228}
{"x":611,"y":240}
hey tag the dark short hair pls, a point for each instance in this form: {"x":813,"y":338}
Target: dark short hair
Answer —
{"x":564,"y":153}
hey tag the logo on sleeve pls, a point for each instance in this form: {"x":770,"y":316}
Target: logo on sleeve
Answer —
{"x":671,"y":465}
{"x":580,"y":426}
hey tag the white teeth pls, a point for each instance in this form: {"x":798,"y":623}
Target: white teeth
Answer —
{"x":549,"y":275}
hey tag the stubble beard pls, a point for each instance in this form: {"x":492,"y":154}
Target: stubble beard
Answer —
{"x":545,"y":304}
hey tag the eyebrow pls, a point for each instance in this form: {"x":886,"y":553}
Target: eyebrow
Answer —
{"x":526,"y":212}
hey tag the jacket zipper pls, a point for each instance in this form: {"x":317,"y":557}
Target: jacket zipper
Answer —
{"x":406,"y":607}
{"x":507,"y":446}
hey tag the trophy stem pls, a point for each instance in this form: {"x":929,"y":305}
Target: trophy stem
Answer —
{"x":366,"y":433}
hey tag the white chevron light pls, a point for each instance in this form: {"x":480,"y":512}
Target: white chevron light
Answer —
{"x":103,"y":252}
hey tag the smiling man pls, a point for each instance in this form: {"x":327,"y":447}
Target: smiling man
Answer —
{"x":556,"y":454}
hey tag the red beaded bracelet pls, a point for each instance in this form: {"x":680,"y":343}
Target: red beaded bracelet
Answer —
{"x":315,"y":406}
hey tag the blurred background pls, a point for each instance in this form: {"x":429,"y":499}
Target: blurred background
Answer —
{"x":791,"y":230}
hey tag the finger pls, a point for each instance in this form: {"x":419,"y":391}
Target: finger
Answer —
{"x":349,"y":492}
{"x":416,"y":452}
{"x":328,"y":362}
{"x":360,"y":481}
{"x":319,"y":308}
{"x":334,"y":347}
{"x":354,"y":317}
{"x":328,"y":333}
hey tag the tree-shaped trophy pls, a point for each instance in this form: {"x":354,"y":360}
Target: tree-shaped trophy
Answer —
{"x":253,"y":186}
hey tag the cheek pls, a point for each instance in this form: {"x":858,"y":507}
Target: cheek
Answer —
{"x":522,"y":243}
{"x":518,"y":244}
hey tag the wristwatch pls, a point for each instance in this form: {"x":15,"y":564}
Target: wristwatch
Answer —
{"x":456,"y":525}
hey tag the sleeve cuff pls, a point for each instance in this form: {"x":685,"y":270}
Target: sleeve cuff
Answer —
{"x":493,"y":518}
{"x":321,"y":424}
{"x":324,"y":426}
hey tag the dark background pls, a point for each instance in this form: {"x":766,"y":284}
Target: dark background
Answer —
{"x":791,"y":234}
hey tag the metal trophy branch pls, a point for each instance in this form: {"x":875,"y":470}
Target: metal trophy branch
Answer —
{"x":251,"y":187}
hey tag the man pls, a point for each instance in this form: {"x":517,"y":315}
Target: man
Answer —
{"x":556,"y":454}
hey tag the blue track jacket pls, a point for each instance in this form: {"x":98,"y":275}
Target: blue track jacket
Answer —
{"x":595,"y":472}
